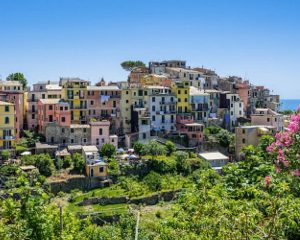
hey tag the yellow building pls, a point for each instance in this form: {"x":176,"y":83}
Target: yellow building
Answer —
{"x":74,"y":91}
{"x":182,"y":91}
{"x":155,"y":80}
{"x":7,"y":125}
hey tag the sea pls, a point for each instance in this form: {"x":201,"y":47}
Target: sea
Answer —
{"x":289,"y":104}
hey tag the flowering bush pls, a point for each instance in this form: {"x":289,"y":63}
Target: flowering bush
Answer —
{"x":286,"y":148}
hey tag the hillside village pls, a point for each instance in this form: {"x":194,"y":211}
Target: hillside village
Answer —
{"x":165,"y":101}
{"x":135,"y":149}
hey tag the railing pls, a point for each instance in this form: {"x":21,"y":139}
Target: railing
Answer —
{"x":7,"y":138}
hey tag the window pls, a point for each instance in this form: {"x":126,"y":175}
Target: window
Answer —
{"x":144,"y":135}
{"x":63,"y":119}
{"x":100,"y":131}
{"x":179,"y":92}
{"x":179,"y":99}
{"x":50,"y":107}
{"x":84,"y":130}
{"x":6,"y":108}
{"x":6,"y":120}
{"x":153,"y":108}
{"x":43,"y":96}
{"x":231,"y":113}
{"x":153,"y":118}
{"x":268,"y":119}
{"x":61,"y":108}
{"x":92,"y":102}
{"x":275,"y":119}
{"x":185,"y":92}
{"x":244,"y":131}
{"x":50,"y":118}
{"x":102,"y":140}
{"x":101,"y":169}
{"x":72,"y":130}
{"x":153,"y":99}
{"x":62,"y":130}
{"x":97,"y":141}
{"x":113,"y":140}
{"x":244,"y":140}
{"x":84,"y":140}
{"x":127,"y":101}
{"x":52,"y":139}
{"x":32,"y":116}
{"x":72,"y":140}
{"x":66,"y":108}
{"x":185,"y":99}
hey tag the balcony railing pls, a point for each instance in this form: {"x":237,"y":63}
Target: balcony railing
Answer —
{"x":8,"y":138}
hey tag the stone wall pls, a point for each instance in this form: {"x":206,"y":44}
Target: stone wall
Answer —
{"x":155,"y":198}
{"x":82,"y":183}
{"x":104,"y":200}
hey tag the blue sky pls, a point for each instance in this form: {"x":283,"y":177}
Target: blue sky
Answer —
{"x":257,"y":39}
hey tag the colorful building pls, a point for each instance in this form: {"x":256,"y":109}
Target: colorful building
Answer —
{"x":103,"y":102}
{"x":12,"y":91}
{"x":182,"y":92}
{"x":267,"y":117}
{"x":156,"y":80}
{"x":74,"y":91}
{"x":41,"y":90}
{"x":162,"y":109}
{"x":250,"y":135}
{"x":186,"y":125}
{"x":100,"y":134}
{"x":199,"y":104}
{"x":7,"y":125}
{"x":53,"y":110}
{"x":94,"y":165}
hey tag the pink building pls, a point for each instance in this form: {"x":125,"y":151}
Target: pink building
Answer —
{"x":100,"y":134}
{"x":53,"y":110}
{"x":12,"y":91}
{"x":267,"y":117}
{"x":243,"y":91}
{"x":103,"y":102}
{"x":41,"y":90}
{"x":186,"y":125}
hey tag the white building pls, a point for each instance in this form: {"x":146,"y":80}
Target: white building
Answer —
{"x":236,"y":108}
{"x":162,"y":108}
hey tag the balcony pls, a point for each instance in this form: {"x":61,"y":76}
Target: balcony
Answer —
{"x":8,"y":138}
{"x":167,"y":103}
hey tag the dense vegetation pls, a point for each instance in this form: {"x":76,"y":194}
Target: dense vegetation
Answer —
{"x":257,"y":198}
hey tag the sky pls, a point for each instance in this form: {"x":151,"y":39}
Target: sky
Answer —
{"x":257,"y":40}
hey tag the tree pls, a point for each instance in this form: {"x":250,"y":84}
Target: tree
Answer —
{"x":45,"y":164}
{"x":108,"y":150}
{"x":78,"y":162}
{"x":153,"y":148}
{"x":113,"y":167}
{"x":5,"y":154}
{"x":181,"y":162}
{"x":129,"y":65}
{"x":153,"y":181}
{"x":225,"y":138}
{"x":138,"y":147}
{"x":18,"y":77}
{"x":170,"y":147}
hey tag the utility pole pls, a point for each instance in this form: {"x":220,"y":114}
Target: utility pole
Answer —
{"x":60,"y":220}
{"x":137,"y":226}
